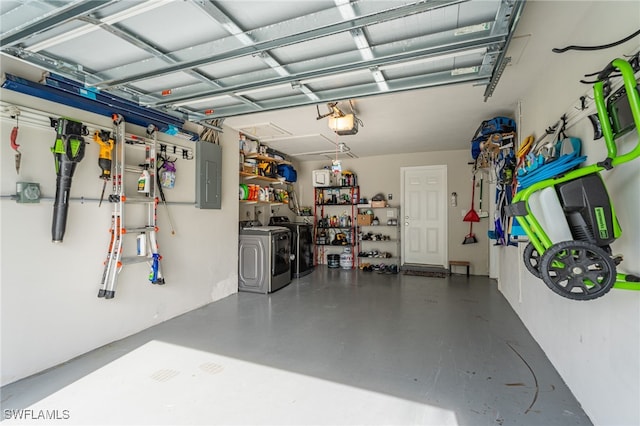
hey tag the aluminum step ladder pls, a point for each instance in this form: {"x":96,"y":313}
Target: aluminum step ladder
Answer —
{"x":146,"y":233}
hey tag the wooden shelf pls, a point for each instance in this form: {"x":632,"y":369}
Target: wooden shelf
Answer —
{"x":266,"y":158}
{"x":252,"y":176}
{"x":266,"y":203}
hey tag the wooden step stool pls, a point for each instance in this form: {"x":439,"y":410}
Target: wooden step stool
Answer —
{"x":459,"y":263}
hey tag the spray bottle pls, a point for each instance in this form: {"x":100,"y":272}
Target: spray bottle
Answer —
{"x":143,"y":181}
{"x":168,"y":175}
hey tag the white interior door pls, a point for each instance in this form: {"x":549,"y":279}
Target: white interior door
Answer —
{"x":424,"y":215}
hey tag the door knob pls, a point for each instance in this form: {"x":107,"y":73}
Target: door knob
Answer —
{"x":406,"y":224}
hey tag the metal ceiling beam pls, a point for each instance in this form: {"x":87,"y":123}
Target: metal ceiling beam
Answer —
{"x":58,"y":16}
{"x":376,"y":62}
{"x":313,"y":33}
{"x":514,"y":16}
{"x":368,"y":89}
{"x":146,"y":46}
{"x":234,"y":29}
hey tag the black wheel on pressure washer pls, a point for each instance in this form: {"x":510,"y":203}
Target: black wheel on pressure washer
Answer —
{"x":531,"y":260}
{"x":577,"y":270}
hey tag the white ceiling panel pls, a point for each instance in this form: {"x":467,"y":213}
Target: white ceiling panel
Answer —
{"x":167,"y":26}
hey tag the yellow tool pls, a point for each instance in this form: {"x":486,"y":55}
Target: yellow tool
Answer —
{"x":103,"y":138}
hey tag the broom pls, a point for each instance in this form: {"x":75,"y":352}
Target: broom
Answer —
{"x":472,"y":215}
{"x":470,"y":238}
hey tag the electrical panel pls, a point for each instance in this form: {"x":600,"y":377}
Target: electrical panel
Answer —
{"x":208,"y":175}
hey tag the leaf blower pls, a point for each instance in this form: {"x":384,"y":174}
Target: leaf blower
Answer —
{"x":68,"y":151}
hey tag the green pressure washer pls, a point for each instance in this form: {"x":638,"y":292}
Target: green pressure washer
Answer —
{"x":569,"y":219}
{"x":68,"y":151}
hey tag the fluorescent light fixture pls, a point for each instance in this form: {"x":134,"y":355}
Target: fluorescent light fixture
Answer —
{"x":263,"y":89}
{"x":134,"y":11}
{"x":69,"y":35}
{"x":197,"y":101}
{"x":472,"y":29}
{"x":332,"y":77}
{"x":88,"y":28}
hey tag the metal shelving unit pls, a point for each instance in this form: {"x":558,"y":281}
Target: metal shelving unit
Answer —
{"x":333,"y":230}
{"x":371,"y":246}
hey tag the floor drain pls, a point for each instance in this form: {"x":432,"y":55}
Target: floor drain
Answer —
{"x":211,"y":368}
{"x":164,"y":375}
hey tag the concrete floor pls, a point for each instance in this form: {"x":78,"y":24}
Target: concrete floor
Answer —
{"x":335,"y":347}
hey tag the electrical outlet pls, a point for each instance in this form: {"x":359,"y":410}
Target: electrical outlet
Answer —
{"x":27,"y":192}
{"x":389,"y":197}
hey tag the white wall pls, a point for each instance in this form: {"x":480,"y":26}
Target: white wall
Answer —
{"x":594,"y":345}
{"x":49,"y":309}
{"x":381,"y":174}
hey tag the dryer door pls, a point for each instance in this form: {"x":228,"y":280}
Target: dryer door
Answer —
{"x":252,"y":269}
{"x":281,"y":253}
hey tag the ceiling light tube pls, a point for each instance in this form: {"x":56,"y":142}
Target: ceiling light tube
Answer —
{"x":196,"y":101}
{"x":69,"y":35}
{"x":86,"y":29}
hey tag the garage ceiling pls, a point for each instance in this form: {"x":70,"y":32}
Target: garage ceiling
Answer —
{"x":203,"y":60}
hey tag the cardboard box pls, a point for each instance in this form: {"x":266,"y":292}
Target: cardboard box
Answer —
{"x":365,"y":219}
{"x":378,"y":204}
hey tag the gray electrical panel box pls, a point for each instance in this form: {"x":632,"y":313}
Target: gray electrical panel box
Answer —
{"x":208,"y":175}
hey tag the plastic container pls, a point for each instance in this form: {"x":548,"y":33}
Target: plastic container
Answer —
{"x":333,"y":261}
{"x":546,"y":208}
{"x":168,"y":176}
{"x":143,"y":182}
{"x":141,"y":241}
{"x":346,"y":258}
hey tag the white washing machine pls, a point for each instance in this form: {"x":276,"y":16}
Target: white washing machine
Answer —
{"x":264,"y":258}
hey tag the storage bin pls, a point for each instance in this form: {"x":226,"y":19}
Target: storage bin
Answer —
{"x":322,"y":178}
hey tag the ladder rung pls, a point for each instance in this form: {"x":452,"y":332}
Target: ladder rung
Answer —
{"x":133,"y":169}
{"x":130,"y":229}
{"x":129,"y":260}
{"x":139,"y":200}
